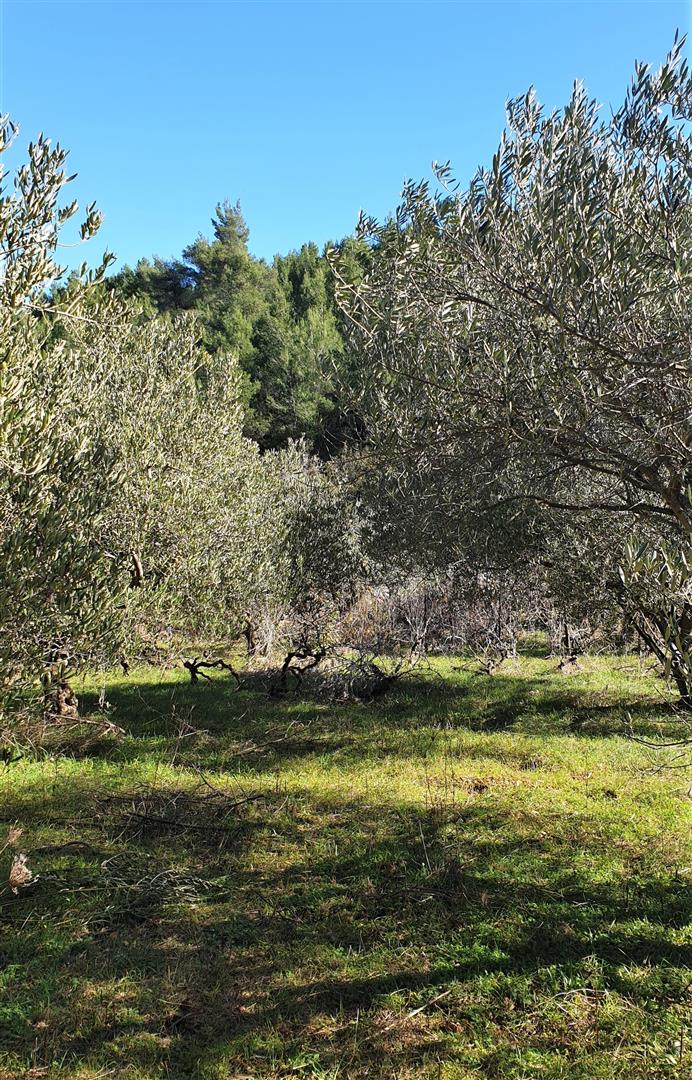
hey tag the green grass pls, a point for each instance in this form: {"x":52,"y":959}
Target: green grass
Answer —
{"x":474,"y":877}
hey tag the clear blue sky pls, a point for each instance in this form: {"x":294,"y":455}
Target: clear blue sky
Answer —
{"x":303,"y":111}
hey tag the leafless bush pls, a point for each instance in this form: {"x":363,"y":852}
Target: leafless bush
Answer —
{"x":361,"y":676}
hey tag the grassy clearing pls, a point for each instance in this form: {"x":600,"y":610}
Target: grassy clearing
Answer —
{"x":475,"y":878}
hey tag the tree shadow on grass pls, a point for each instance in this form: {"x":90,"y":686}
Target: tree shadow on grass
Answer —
{"x":214,"y":726}
{"x":306,"y":940}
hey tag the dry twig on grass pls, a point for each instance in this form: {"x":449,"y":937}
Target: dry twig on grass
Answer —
{"x":209,"y":814}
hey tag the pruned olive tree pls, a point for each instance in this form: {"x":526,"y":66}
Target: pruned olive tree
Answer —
{"x":527,"y":341}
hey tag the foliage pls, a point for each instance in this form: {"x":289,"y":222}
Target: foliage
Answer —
{"x":188,"y":523}
{"x":56,"y":589}
{"x":526,"y":343}
{"x":658,"y":596}
{"x":280,"y":321}
{"x":315,"y":554}
{"x":134,"y":510}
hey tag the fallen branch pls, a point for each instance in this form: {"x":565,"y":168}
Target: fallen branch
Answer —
{"x":78,"y":846}
{"x":182,"y":810}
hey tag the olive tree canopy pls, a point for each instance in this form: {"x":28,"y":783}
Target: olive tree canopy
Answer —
{"x":56,"y":591}
{"x":527,"y":341}
{"x":130,"y":501}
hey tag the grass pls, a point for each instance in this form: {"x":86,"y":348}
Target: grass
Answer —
{"x":474,"y":877}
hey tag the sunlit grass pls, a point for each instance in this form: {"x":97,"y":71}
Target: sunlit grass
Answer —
{"x":475,"y":877}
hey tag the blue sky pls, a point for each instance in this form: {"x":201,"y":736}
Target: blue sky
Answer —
{"x":303,"y":111}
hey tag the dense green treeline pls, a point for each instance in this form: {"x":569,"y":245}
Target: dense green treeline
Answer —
{"x":280,"y":320}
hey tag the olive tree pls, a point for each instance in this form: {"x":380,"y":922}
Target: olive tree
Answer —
{"x":56,"y":594}
{"x":187,"y":523}
{"x":129,"y":500}
{"x":206,"y":533}
{"x":314,"y":559}
{"x":528,"y":339}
